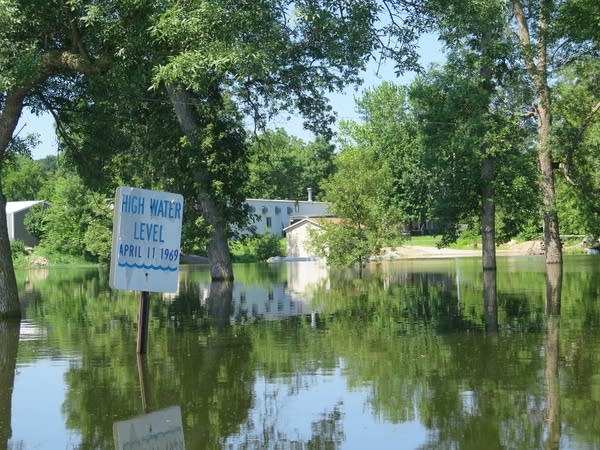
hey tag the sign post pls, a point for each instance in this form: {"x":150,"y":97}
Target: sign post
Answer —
{"x":145,"y":246}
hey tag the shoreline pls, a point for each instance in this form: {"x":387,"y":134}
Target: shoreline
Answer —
{"x":527,"y":248}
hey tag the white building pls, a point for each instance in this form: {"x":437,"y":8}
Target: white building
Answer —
{"x":274,"y":215}
{"x":298,"y":237}
{"x":15,"y":217}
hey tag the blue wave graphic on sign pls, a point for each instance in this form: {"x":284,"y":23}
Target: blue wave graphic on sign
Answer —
{"x":147,"y":267}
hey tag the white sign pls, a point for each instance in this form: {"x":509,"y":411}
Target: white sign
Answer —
{"x":160,"y":430}
{"x":146,"y":240}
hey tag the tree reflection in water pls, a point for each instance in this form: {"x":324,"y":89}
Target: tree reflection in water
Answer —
{"x":554,"y":277}
{"x":467,"y":361}
{"x":9,"y":344}
{"x":490,"y":300}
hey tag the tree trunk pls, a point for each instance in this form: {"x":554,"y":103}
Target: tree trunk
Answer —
{"x":9,"y":344}
{"x":536,"y":63}
{"x":488,"y":215}
{"x":9,"y":298}
{"x":488,"y":206}
{"x":219,"y":257}
{"x":552,"y":240}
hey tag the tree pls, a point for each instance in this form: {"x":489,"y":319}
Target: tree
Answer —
{"x":46,"y":46}
{"x":78,"y":221}
{"x":283,"y":166}
{"x":576,"y":137}
{"x":358,"y":192}
{"x":23,"y":178}
{"x":389,"y":128}
{"x":547,"y":39}
{"x":266,"y":56}
{"x":476,"y":151}
{"x":545,"y":48}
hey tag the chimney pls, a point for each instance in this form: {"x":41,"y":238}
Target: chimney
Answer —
{"x":309,"y":190}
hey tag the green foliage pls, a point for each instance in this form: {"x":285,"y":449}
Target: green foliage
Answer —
{"x":391,"y":133}
{"x":268,"y":57}
{"x":576,"y":140}
{"x":35,"y":221}
{"x":344,"y":243}
{"x":64,"y":220}
{"x":17,"y":249}
{"x":24,"y":179}
{"x":578,"y":19}
{"x":357,"y":191}
{"x":458,"y":133}
{"x":97,"y":238}
{"x":257,"y":248}
{"x":78,"y":222}
{"x":283,"y":166}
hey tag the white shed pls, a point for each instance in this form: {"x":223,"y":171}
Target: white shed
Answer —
{"x":15,"y":217}
{"x":298,"y":237}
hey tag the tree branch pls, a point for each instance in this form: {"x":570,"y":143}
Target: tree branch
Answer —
{"x":60,"y":60}
{"x":524,"y":37}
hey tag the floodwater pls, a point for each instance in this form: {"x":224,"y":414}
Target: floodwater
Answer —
{"x":421,"y":354}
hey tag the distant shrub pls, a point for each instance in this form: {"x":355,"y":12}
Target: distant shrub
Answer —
{"x":34,"y":221}
{"x":257,"y":248}
{"x":17,"y":249}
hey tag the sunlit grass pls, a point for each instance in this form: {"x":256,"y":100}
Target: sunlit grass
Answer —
{"x":466,"y":243}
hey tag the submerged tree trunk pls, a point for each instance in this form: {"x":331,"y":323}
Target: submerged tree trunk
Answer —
{"x":536,"y":63}
{"x":219,"y":257}
{"x":488,"y":215}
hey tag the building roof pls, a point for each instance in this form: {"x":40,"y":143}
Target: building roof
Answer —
{"x":13,"y":207}
{"x":286,"y":201}
{"x":317,"y":221}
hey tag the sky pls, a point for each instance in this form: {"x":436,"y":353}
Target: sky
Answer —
{"x":343,"y":103}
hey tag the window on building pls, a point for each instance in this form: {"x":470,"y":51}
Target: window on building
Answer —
{"x":268,"y":222}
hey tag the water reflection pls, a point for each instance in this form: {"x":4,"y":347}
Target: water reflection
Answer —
{"x":490,"y":300}
{"x":9,"y":343}
{"x":250,"y":297}
{"x":219,"y":302}
{"x":433,"y":355}
{"x":554,"y":277}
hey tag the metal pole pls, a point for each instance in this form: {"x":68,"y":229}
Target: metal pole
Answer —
{"x":142,"y":331}
{"x":144,"y":385}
